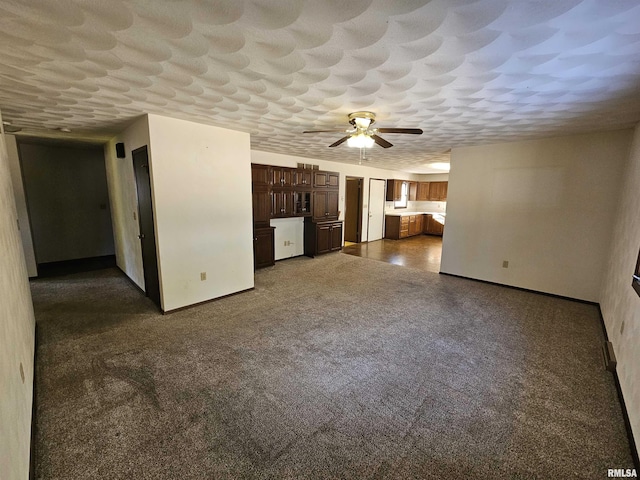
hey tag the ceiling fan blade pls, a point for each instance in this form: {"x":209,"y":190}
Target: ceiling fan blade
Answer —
{"x":381,"y":141}
{"x":341,"y":130}
{"x":340,"y":142}
{"x":414,"y":131}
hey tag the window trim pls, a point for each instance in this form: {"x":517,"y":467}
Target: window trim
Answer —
{"x":404,"y":202}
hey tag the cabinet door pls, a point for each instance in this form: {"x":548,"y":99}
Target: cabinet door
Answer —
{"x":263,"y":251}
{"x":282,"y":176}
{"x":323,"y":238}
{"x":333,"y":198}
{"x":333,"y":179}
{"x":302,"y":204}
{"x":413,"y":191}
{"x":303,"y":178}
{"x":336,"y":236}
{"x":282,"y":204}
{"x":438,"y":191}
{"x":412,"y":225}
{"x":426,"y":224}
{"x":261,"y":206}
{"x":260,"y":175}
{"x":320,"y":179}
{"x":423,"y":191}
{"x":419,"y":222}
{"x":320,"y":205}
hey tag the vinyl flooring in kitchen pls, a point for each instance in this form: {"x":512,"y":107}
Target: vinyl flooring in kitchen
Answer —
{"x":422,"y":251}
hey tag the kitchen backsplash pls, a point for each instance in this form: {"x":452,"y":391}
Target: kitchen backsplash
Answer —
{"x":418,"y":207}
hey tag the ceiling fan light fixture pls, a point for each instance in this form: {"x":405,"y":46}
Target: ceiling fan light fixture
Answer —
{"x":360,"y":141}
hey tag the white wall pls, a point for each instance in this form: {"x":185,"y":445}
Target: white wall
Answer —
{"x":619,"y":301}
{"x":201,"y":187}
{"x":123,"y":199}
{"x":345,"y":170}
{"x":66,"y":191}
{"x":546,"y":206}
{"x":17,"y":337}
{"x":21,"y":205}
{"x":289,"y":230}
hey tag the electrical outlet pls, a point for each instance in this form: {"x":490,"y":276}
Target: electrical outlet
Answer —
{"x":622,"y":327}
{"x":505,"y":264}
{"x":203,"y":276}
{"x":135,"y":216}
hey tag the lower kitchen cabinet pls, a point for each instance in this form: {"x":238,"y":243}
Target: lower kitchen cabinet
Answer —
{"x":322,"y":237}
{"x":263,"y":247}
{"x":432,"y":227}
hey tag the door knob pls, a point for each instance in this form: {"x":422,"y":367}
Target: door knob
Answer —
{"x":141,"y":236}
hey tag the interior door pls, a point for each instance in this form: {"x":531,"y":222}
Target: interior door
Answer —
{"x":376,"y":209}
{"x":145,"y":218}
{"x":353,"y":210}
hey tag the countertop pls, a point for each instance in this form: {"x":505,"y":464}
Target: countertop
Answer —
{"x":404,"y":214}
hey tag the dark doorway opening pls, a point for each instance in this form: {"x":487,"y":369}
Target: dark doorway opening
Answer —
{"x":145,"y":218}
{"x":353,"y":210}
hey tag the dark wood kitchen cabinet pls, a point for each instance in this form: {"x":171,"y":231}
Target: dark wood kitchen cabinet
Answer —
{"x":322,"y":179}
{"x":282,"y":176}
{"x":263,"y":247}
{"x":325,"y":205}
{"x":283,"y":203}
{"x":322,"y":237}
{"x":303,"y":178}
{"x":261,"y":206}
{"x":260,"y":175}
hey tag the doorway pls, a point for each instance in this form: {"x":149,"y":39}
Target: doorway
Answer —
{"x":145,"y":219}
{"x":377,"y":192}
{"x":353,"y":210}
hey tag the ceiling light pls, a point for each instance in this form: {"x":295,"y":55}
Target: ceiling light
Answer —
{"x":65,"y":129}
{"x":360,"y":141}
{"x":440,"y":166}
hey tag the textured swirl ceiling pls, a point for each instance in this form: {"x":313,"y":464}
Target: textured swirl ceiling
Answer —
{"x":466,"y":72}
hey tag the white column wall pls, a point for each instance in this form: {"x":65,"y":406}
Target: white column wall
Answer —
{"x":201,"y":186}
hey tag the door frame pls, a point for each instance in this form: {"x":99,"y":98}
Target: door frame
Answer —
{"x":384,"y":199}
{"x":150,"y":292}
{"x":359,"y":207}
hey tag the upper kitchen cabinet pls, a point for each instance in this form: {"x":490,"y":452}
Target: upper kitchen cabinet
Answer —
{"x":413,"y":191}
{"x":394,"y":190}
{"x":303,"y":178}
{"x":423,"y":191}
{"x":323,"y":179}
{"x":438,"y":191}
{"x":325,"y":205}
{"x":260,"y":175}
{"x":282,"y":176}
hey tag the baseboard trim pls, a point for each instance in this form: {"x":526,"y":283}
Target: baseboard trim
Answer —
{"x":34,"y":401}
{"x":623,"y":405}
{"x":187,"y":307}
{"x":546,"y":294}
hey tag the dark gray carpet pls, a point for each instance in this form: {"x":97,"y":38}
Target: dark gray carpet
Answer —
{"x":334,"y":367}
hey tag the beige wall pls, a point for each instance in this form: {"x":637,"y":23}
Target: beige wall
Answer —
{"x":619,"y":302}
{"x":17,"y":337}
{"x":201,"y":185}
{"x":124,"y":200}
{"x":21,"y":205}
{"x":546,"y":206}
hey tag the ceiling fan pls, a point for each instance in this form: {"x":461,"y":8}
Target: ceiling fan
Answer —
{"x":362,"y":135}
